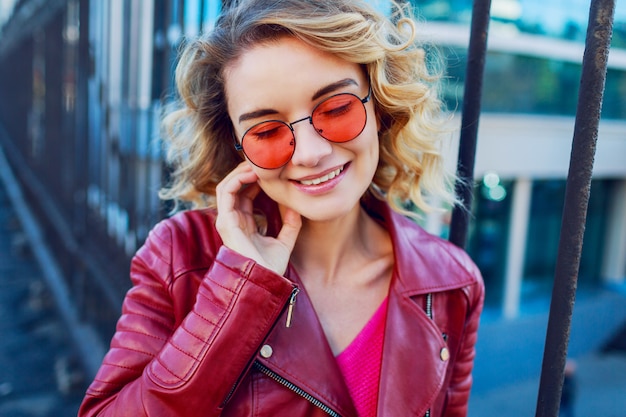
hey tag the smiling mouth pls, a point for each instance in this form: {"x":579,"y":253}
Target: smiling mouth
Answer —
{"x":322,"y":179}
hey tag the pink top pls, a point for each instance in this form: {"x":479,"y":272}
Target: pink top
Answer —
{"x":360,"y":363}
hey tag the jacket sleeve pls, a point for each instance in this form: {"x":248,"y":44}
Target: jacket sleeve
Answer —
{"x":155,"y":368}
{"x":461,"y":380}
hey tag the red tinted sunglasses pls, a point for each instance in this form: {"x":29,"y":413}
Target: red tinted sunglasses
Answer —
{"x":340,"y":118}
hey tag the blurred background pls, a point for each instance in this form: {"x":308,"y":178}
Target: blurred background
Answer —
{"x":82,"y":84}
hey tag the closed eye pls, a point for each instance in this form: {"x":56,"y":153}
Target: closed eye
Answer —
{"x":336,"y":106}
{"x":267,"y":130}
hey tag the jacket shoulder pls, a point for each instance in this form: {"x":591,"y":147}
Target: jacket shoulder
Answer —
{"x":456,"y":255}
{"x":443,"y":264}
{"x":186,"y":241}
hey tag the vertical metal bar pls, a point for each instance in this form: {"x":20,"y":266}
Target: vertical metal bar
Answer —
{"x":577,"y":193}
{"x":469,"y":124}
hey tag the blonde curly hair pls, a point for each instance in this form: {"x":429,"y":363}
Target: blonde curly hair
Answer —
{"x":199,"y":132}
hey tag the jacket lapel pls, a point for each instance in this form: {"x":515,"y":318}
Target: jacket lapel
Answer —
{"x":301,"y":355}
{"x":412,"y":371}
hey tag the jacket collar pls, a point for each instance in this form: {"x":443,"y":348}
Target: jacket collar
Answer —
{"x":423,"y":263}
{"x":412,"y":370}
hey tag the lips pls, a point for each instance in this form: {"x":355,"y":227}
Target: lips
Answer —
{"x":323,"y":178}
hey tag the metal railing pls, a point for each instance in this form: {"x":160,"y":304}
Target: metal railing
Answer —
{"x":88,"y":167}
{"x":578,"y":186}
{"x":577,"y":192}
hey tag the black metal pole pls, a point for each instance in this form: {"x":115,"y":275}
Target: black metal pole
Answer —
{"x":575,"y":209}
{"x":469,"y":124}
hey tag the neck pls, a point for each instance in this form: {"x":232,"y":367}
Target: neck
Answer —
{"x":328,"y":251}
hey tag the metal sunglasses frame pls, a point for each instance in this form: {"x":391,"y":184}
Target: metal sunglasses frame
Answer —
{"x":239,"y":145}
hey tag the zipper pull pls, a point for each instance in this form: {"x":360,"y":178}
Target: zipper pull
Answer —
{"x":292,"y":303}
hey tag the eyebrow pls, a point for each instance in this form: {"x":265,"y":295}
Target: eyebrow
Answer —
{"x":319,"y":93}
{"x":333,"y":87}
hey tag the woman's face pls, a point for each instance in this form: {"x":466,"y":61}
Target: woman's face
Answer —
{"x":285,"y":80}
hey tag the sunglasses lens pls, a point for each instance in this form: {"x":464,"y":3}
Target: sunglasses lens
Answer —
{"x":269,"y":144}
{"x":340,"y":118}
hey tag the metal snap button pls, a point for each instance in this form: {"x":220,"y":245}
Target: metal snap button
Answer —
{"x":444,"y":354}
{"x":266,"y":351}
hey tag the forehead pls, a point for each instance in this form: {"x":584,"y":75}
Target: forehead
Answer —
{"x":284,"y":67}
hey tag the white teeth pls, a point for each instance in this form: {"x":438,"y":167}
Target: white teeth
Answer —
{"x":325,"y":178}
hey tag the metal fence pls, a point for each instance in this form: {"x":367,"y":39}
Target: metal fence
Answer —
{"x":82,"y":84}
{"x":578,"y":187}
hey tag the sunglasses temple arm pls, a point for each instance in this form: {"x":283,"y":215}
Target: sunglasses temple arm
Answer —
{"x":236,"y":143}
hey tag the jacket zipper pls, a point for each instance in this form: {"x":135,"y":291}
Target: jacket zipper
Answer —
{"x":290,"y":306}
{"x":292,"y":303}
{"x":429,"y":305}
{"x":260,"y":367}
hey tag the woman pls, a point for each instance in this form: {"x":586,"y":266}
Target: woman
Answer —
{"x":303,"y":289}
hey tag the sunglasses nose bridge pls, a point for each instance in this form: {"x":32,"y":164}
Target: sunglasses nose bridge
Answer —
{"x":309,"y":118}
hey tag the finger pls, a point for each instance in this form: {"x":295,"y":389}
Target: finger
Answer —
{"x":228,"y":190}
{"x":236,"y":179}
{"x":248,"y":188}
{"x":292,"y":223}
{"x":246,"y":204}
{"x":250,"y":191}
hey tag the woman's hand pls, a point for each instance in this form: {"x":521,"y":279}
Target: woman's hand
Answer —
{"x":238,"y":229}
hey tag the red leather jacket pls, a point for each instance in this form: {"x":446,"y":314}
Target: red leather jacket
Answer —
{"x":203,"y":333}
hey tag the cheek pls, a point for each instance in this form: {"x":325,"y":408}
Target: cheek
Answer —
{"x":370,"y":142}
{"x":371,"y":152}
{"x":266,"y":176}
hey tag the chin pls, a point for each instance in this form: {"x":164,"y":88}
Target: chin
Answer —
{"x":327,"y":214}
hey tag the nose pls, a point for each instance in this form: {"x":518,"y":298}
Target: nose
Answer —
{"x":311,"y":148}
